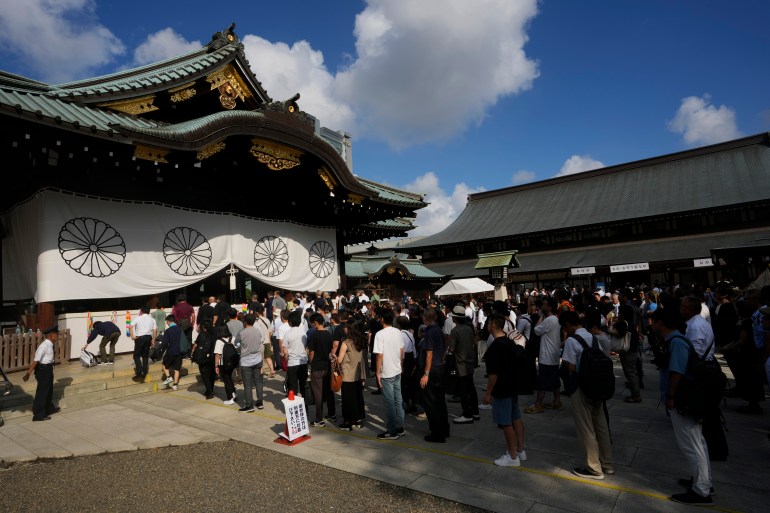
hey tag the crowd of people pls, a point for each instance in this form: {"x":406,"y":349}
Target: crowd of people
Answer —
{"x":420,"y":354}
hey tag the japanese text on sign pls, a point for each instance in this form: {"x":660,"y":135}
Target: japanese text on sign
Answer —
{"x":644,"y":266}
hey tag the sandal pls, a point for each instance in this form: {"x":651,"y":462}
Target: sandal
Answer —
{"x":533,"y":409}
{"x":554,"y":406}
{"x":632,"y":400}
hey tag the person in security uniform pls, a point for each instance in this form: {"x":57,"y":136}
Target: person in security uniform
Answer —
{"x":42,"y":406}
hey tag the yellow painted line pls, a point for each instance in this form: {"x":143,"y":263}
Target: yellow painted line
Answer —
{"x":485,"y":461}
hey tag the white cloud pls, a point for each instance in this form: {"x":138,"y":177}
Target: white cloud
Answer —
{"x":56,"y":40}
{"x":163,"y":45}
{"x":423,"y":71}
{"x":522,"y":177}
{"x":578,"y":164}
{"x":443,"y":208}
{"x":285,"y":70}
{"x":702,"y":123}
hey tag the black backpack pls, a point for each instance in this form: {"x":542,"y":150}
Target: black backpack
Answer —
{"x":596,"y":377}
{"x":202,"y":352}
{"x":522,"y":364}
{"x":701,"y":391}
{"x":230,"y":357}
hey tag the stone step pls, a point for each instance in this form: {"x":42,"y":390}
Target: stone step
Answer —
{"x":20,"y":405}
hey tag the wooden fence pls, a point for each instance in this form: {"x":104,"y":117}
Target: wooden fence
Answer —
{"x":18,"y":351}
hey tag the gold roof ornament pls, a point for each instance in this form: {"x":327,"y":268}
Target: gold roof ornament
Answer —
{"x":150,"y":153}
{"x":355,"y":199}
{"x":230,"y":85}
{"x":328,"y":179}
{"x":275,"y":156}
{"x":210,"y":150}
{"x":134,"y":106}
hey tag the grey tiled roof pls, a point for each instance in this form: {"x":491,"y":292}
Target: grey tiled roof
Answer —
{"x":725,"y":174}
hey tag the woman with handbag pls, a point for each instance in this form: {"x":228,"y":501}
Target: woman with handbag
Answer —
{"x":352,"y":357}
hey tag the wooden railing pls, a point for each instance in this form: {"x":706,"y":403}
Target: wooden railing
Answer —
{"x":18,"y":351}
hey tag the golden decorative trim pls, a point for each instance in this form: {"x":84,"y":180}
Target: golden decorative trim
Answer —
{"x":210,"y":150}
{"x":133,"y":106}
{"x":229,"y":76}
{"x":355,"y":199}
{"x":183,"y":95}
{"x":327,"y":177}
{"x":150,"y":153}
{"x":275,"y":156}
{"x":181,"y":87}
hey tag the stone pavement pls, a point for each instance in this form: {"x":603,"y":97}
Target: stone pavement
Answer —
{"x":648,"y":462}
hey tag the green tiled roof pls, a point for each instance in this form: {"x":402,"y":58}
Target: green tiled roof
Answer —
{"x":398,"y":223}
{"x":500,"y":259}
{"x":66,"y":112}
{"x":364,"y":267}
{"x":393,"y":195}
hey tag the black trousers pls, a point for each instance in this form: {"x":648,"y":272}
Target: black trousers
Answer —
{"x":142,"y":354}
{"x":320,"y":384}
{"x":208,"y":376}
{"x":227,"y":381}
{"x":297,"y":380}
{"x":469,"y":399}
{"x":434,"y":402}
{"x":353,"y":402}
{"x":42,"y":406}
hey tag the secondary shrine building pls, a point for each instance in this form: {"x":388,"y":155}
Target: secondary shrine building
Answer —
{"x":161,"y":178}
{"x":695,"y":216}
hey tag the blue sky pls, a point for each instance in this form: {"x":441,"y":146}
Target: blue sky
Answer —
{"x":447,"y":97}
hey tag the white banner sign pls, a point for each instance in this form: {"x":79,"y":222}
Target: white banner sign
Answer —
{"x":296,"y":418}
{"x":62,"y":247}
{"x":703,"y":262}
{"x":580,"y":271}
{"x":644,"y":266}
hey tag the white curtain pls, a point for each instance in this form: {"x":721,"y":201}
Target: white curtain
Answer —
{"x":61,"y":246}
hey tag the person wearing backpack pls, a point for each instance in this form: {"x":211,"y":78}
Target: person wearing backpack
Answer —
{"x":172,"y":360}
{"x":202,"y":354}
{"x":587,"y":360}
{"x":225,"y":361}
{"x":688,"y":430}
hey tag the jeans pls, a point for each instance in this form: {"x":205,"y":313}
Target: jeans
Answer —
{"x":142,"y":354}
{"x":394,"y":409}
{"x":252,"y":376}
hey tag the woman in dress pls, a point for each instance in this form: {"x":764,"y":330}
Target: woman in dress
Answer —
{"x":352,"y":357}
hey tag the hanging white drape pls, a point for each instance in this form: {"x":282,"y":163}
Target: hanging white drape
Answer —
{"x":61,"y":246}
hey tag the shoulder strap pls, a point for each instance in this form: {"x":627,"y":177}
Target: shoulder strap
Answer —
{"x":580,"y":340}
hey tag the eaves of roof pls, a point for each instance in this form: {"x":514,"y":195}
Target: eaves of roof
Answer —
{"x":393,"y":195}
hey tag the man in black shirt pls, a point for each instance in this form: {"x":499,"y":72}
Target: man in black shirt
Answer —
{"x":431,"y":364}
{"x":220,"y":311}
{"x":205,"y":312}
{"x":501,"y":393}
{"x":320,"y":346}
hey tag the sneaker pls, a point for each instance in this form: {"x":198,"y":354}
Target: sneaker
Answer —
{"x":103,"y":363}
{"x":168,"y":380}
{"x":246,"y":409}
{"x":359,"y":424}
{"x":175,"y":387}
{"x":553,"y":406}
{"x":333,"y":418}
{"x":318,"y":423}
{"x":346,"y":427}
{"x":463,"y":420}
{"x":260,"y":406}
{"x":387,"y":435}
{"x":608,"y":471}
{"x":692,"y":498}
{"x":229,"y":402}
{"x":534,"y":408}
{"x":687,"y":483}
{"x":400,"y":432}
{"x":421,"y":416}
{"x":588,"y":474}
{"x":506,"y":461}
{"x":521,"y":455}
{"x":485,"y":407}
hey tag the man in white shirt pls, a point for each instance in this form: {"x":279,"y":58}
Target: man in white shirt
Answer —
{"x":294,"y":347}
{"x":389,"y":348}
{"x":549,"y":331}
{"x":699,"y":331}
{"x":143,"y":331}
{"x":42,"y":366}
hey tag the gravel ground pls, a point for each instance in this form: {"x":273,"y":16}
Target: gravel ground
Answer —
{"x":220,"y":476}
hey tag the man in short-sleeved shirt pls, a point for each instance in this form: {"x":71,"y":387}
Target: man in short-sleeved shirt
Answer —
{"x":320,"y":346}
{"x":389,"y":348}
{"x":431,"y":364}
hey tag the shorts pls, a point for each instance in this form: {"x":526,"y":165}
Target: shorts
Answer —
{"x":268,"y":350}
{"x":505,"y":411}
{"x":172,"y":361}
{"x":548,"y":378}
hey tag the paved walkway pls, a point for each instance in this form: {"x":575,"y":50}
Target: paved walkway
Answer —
{"x":648,"y":462}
